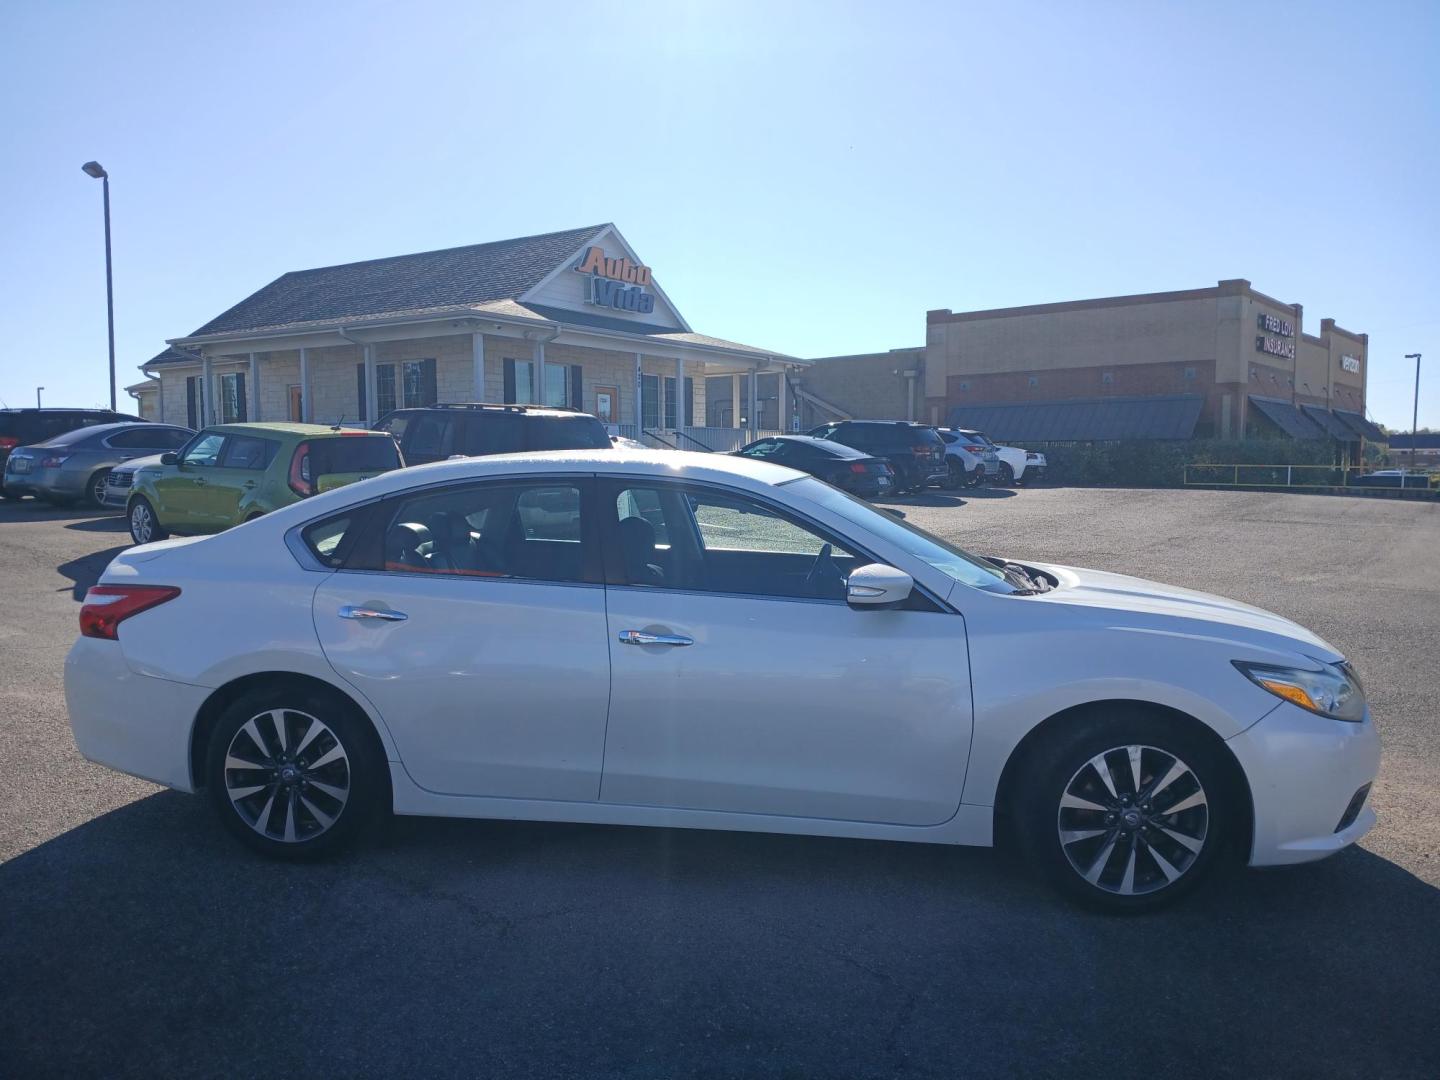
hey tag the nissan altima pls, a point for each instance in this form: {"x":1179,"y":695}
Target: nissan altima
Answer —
{"x":706,"y":641}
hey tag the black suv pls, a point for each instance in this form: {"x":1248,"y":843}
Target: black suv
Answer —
{"x":26,"y":427}
{"x":914,"y":451}
{"x":472,"y":430}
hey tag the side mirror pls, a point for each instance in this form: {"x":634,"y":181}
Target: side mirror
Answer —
{"x":876,"y":587}
{"x":168,"y":459}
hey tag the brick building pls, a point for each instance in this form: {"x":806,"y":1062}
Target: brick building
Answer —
{"x":1224,"y":361}
{"x":570,"y":318}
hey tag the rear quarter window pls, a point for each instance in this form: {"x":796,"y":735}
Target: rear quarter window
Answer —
{"x":353,"y":454}
{"x":565,"y":433}
{"x":326,"y":539}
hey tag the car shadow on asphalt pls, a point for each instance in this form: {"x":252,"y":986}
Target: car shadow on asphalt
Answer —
{"x":86,"y":570}
{"x":101,"y":525}
{"x":460,"y":946}
{"x":22,"y":510}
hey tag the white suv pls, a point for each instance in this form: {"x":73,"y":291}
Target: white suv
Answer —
{"x":1016,"y":466}
{"x":968,"y":461}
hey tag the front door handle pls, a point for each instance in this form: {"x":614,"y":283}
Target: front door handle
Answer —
{"x":644,"y":637}
{"x":249,"y":484}
{"x":352,"y":611}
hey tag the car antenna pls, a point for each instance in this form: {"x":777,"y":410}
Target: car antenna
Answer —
{"x":336,"y":426}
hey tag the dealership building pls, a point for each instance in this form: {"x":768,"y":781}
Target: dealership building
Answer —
{"x":1225,"y":362}
{"x":573,"y":319}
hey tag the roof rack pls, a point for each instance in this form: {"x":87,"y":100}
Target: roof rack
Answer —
{"x":507,"y":407}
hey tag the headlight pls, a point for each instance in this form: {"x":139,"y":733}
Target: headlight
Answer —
{"x":1333,"y":690}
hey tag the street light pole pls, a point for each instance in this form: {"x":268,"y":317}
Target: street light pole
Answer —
{"x":94,"y":169}
{"x":1415,"y":416}
{"x":37,"y":395}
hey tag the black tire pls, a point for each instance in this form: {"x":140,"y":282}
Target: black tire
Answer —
{"x":140,"y":508}
{"x":293,"y":811}
{"x":1007,"y":475}
{"x":1129,"y":842}
{"x":955,"y":475}
{"x":95,"y":489}
{"x":976,"y":477}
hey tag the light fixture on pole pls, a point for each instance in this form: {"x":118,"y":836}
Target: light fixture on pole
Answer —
{"x":37,"y":395}
{"x":95,"y":170}
{"x":1415,"y":416}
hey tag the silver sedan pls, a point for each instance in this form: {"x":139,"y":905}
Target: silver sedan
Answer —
{"x":74,"y":465}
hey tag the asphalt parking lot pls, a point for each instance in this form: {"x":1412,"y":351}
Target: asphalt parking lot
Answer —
{"x":139,"y":939}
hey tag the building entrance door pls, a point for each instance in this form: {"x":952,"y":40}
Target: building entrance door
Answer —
{"x":297,"y":412}
{"x":607,"y":404}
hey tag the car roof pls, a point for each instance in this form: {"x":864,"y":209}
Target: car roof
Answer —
{"x":830,"y":446}
{"x":650,"y":464}
{"x":285,"y":427}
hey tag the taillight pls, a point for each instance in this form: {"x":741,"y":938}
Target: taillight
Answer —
{"x":54,"y":461}
{"x":8,"y":442}
{"x":300,"y":481}
{"x":107,"y":606}
{"x":857,"y":467}
{"x":976,"y":449}
{"x":922,"y":449}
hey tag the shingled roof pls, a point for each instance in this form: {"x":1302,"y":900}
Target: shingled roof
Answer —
{"x":475,"y":274}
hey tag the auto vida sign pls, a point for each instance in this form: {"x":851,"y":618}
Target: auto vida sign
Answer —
{"x":1350,"y":363}
{"x":1276,"y":337}
{"x":615,"y":283}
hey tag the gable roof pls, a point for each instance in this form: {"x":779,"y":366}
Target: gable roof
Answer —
{"x":475,"y":274}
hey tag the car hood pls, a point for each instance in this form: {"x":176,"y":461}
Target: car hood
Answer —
{"x":1149,"y":605}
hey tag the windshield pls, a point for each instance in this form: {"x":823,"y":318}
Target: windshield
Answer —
{"x":960,"y":565}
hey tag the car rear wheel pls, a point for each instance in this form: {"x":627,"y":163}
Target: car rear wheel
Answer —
{"x":1125,"y":812}
{"x":955,"y":475}
{"x":95,"y":489}
{"x":144,"y":525}
{"x":293,"y":773}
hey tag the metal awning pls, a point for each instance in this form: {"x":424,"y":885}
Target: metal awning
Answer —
{"x":1091,"y":420}
{"x":1362,"y":427}
{"x":1328,"y":422}
{"x":1287,"y":418}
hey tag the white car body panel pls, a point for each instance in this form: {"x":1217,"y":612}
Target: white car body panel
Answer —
{"x":924,"y":767}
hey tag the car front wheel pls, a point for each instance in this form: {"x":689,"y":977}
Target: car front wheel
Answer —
{"x":144,"y":525}
{"x":1007,"y":475}
{"x":293,"y":773}
{"x":95,"y":490}
{"x":1126,"y":812}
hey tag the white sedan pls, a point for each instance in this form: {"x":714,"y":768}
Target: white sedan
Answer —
{"x":706,"y":641}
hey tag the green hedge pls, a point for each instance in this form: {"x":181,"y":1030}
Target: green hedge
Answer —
{"x":1142,"y":463}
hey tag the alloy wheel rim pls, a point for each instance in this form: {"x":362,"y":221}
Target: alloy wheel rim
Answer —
{"x":140,"y":523}
{"x":287,"y":775}
{"x":99,"y":490}
{"x":1133,"y":820}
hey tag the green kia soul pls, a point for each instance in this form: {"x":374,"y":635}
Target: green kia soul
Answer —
{"x":230,"y":473}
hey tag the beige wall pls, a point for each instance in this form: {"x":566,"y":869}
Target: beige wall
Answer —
{"x":334,"y":382}
{"x":867,"y":385}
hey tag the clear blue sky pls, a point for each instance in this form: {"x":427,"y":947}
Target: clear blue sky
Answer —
{"x":807,"y":177}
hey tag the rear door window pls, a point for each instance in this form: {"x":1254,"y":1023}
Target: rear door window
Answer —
{"x":431,"y":436}
{"x":247,"y":452}
{"x":491,"y":433}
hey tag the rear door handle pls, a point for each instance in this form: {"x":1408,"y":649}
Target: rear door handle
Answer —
{"x":644,"y":637}
{"x":352,"y":611}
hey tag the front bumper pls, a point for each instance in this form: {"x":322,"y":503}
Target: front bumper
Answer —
{"x":133,"y":723}
{"x":1303,"y":771}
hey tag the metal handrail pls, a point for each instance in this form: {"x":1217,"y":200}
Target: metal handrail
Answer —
{"x":1295,"y":476}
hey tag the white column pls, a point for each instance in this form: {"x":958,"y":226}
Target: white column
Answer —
{"x":784,"y":402}
{"x":537,"y":388}
{"x":206,"y":390}
{"x":680,"y":392}
{"x":735,"y":401}
{"x":307,"y":412}
{"x":477,"y":364}
{"x":754,"y":405}
{"x":370,"y":414}
{"x":639,"y":404}
{"x":253,"y":411}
